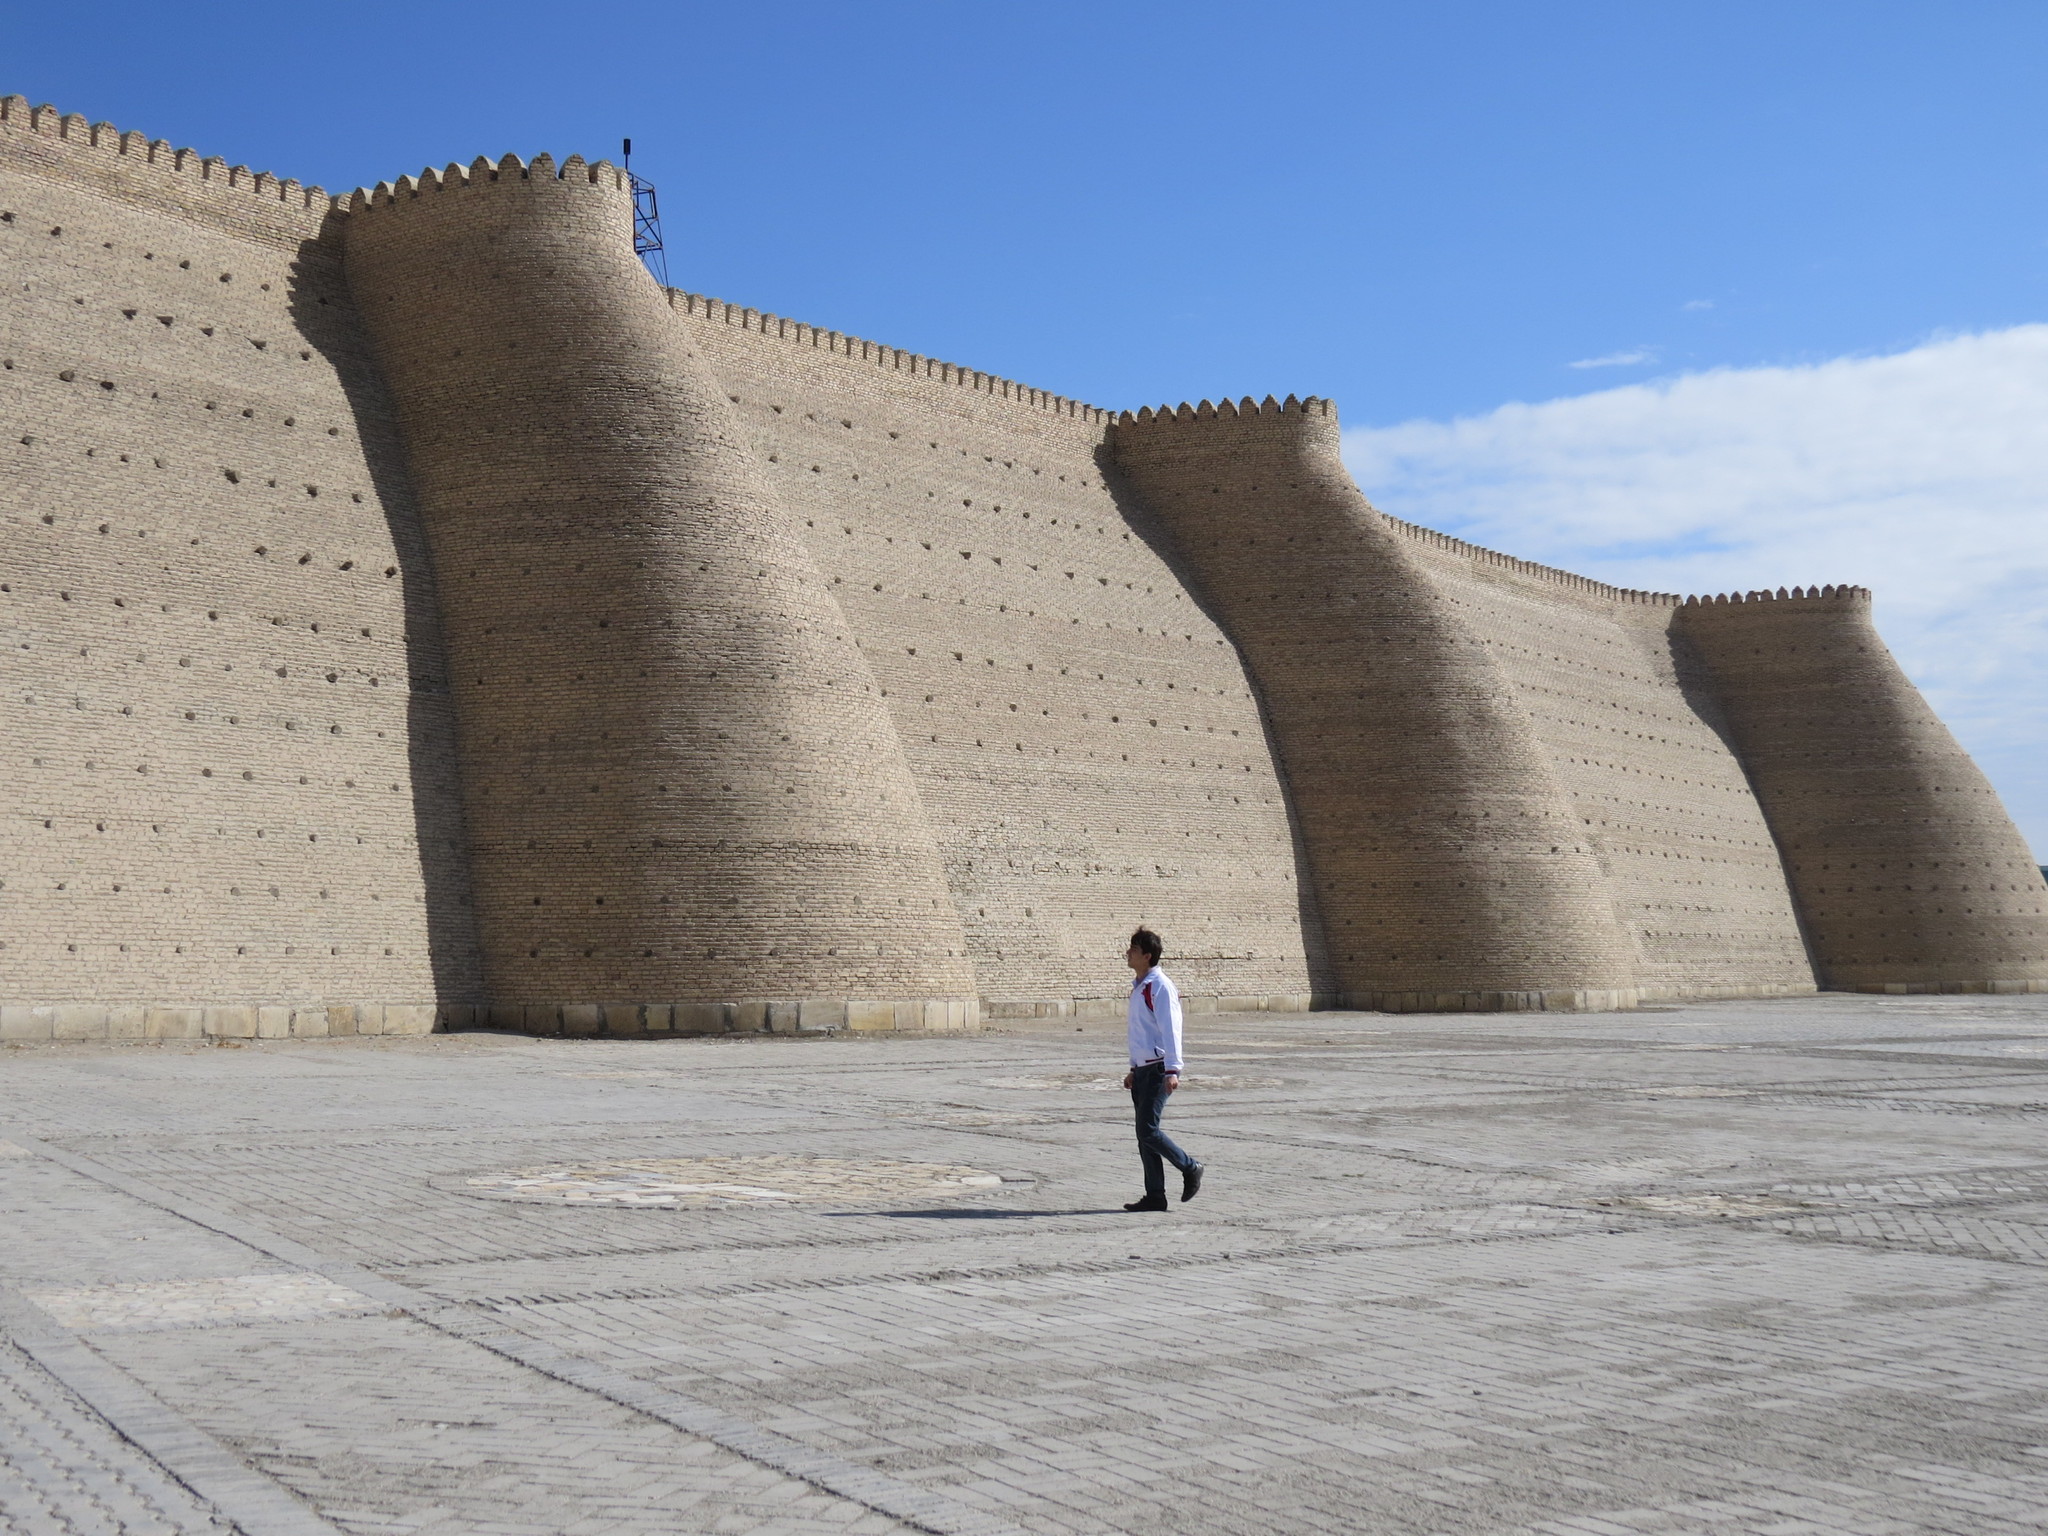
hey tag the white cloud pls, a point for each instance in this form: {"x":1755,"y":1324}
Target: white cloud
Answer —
{"x":1618,"y":359}
{"x":1922,"y":475}
{"x":1697,"y":304}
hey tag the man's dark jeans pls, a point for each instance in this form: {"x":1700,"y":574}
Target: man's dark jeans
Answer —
{"x":1148,"y":1098}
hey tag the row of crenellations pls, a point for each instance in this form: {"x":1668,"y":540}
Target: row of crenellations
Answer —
{"x":1796,"y":594}
{"x":1591,"y":587}
{"x":894,"y":358}
{"x":1206,"y":410}
{"x":139,"y":150}
{"x":481,"y":172}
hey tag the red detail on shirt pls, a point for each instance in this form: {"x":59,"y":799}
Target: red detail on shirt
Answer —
{"x":1148,"y":994}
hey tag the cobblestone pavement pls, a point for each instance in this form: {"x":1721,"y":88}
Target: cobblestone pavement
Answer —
{"x":1770,"y":1267}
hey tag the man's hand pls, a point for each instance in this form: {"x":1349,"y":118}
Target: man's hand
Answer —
{"x":1127,"y":1080}
{"x":1172,"y":1081}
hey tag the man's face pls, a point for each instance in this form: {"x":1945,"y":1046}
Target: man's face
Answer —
{"x":1137,"y":959}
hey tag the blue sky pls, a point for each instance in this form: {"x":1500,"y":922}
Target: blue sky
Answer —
{"x":1417,"y":209}
{"x":1429,"y":212}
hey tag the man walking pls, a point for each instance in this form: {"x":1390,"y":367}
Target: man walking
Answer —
{"x":1155,"y":1071}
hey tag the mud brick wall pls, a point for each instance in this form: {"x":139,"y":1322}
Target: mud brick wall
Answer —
{"x":1447,"y":858}
{"x":1638,"y":743}
{"x":1908,"y":873}
{"x":683,"y":786}
{"x":228,"y":775}
{"x":412,"y":614}
{"x":1082,"y":731}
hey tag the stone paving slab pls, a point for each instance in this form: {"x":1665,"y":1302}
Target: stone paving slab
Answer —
{"x":1735,"y":1267}
{"x":64,"y":1469}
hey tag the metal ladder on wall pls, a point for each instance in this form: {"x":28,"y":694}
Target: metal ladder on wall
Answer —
{"x":646,"y":220}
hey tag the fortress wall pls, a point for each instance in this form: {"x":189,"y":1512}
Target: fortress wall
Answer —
{"x":1450,"y":867}
{"x":227,"y":802}
{"x":1082,"y":733}
{"x":1637,"y":741}
{"x":1908,"y":873}
{"x":803,"y":681}
{"x":686,"y":796}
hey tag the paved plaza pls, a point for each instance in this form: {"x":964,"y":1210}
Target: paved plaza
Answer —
{"x":1741,"y":1267}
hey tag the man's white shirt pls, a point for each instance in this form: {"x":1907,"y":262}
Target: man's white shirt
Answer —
{"x":1155,"y":1021}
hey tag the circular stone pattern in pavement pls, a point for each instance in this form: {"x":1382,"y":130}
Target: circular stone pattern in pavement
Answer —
{"x":724,"y":1181}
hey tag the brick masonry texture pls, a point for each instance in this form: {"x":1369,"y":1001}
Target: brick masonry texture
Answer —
{"x":1085,"y":737}
{"x":229,"y":759}
{"x":1907,"y":871}
{"x":1446,"y":857}
{"x":1634,"y":737}
{"x":680,"y":777}
{"x":416,"y":616}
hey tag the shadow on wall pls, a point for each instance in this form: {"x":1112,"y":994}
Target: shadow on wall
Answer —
{"x":1315,"y":949}
{"x":321,"y":308}
{"x":1696,"y":687}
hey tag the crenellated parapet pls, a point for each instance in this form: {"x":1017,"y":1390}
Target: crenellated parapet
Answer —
{"x":1449,"y":870}
{"x":1796,"y":595}
{"x":1906,"y":871}
{"x":1227,"y":410}
{"x":682,"y":785}
{"x":1478,"y":554}
{"x":155,"y":174}
{"x":483,"y":171}
{"x":894,"y":359}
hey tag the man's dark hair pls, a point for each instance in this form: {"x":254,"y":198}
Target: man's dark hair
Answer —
{"x":1149,"y":942}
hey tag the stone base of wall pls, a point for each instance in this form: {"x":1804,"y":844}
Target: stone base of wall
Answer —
{"x":772,"y":1016}
{"x":819,"y":1016}
{"x":213,"y":1021}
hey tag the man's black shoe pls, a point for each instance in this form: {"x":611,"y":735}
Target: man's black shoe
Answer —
{"x":1191,"y":1182}
{"x":1149,"y":1203}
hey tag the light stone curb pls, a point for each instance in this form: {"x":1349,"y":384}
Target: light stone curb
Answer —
{"x":39,"y":1022}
